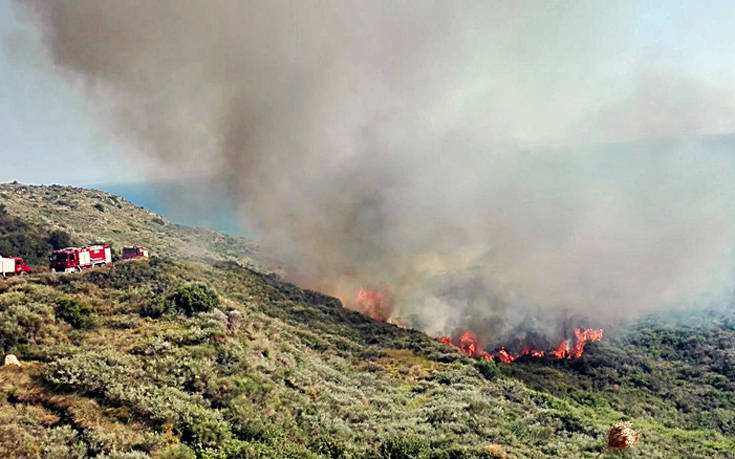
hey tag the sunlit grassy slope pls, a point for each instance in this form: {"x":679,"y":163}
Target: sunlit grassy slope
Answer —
{"x":91,"y":216}
{"x":277,"y":371}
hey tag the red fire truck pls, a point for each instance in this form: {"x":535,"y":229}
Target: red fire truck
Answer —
{"x":129,"y":253}
{"x":76,"y":259}
{"x":13,"y":266}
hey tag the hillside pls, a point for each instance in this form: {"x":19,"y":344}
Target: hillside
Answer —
{"x":90,"y":216}
{"x":144,"y":359}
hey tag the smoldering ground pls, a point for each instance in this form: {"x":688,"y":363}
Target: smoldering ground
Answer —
{"x":482,"y":163}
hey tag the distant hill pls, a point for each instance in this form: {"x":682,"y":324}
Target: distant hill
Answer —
{"x":194,"y":353}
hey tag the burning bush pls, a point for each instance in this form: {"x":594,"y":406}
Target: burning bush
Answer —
{"x":373,"y":303}
{"x":468,"y":344}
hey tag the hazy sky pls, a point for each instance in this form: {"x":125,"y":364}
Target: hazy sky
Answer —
{"x":48,"y":134}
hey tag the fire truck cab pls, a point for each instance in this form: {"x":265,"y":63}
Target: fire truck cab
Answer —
{"x":77,"y":259}
{"x":128,"y":253}
{"x":13,"y":266}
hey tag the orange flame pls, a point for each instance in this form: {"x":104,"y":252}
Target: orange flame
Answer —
{"x":561,"y":351}
{"x":445,"y":340}
{"x":376,"y":305}
{"x":582,"y":338}
{"x":373,"y":304}
{"x":468,"y":345}
{"x":505,"y":357}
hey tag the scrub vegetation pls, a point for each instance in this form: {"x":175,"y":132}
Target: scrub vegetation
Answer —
{"x":35,"y":219}
{"x":28,"y":241}
{"x":175,"y":357}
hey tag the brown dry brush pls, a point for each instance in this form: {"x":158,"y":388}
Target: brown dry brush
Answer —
{"x":621,"y":436}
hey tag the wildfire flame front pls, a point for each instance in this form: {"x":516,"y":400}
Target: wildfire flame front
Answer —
{"x":468,"y":344}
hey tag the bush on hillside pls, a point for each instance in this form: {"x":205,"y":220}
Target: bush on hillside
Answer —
{"x":187,"y":299}
{"x":31,"y":246}
{"x":404,"y":447}
{"x":78,"y":313}
{"x":158,"y":307}
{"x":21,"y":239}
{"x":21,"y":324}
{"x":59,"y":239}
{"x":488,"y":369}
{"x":130,"y":275}
{"x":193,"y":298}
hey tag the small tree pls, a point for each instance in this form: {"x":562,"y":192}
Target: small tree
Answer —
{"x":59,"y":239}
{"x":78,"y":313}
{"x":193,"y":298}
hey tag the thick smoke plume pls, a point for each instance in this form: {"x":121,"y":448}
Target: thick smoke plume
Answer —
{"x":493,"y":164}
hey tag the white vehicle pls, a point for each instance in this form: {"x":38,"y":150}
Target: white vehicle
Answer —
{"x":12,"y":266}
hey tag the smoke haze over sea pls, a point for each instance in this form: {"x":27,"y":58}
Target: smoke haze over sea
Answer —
{"x":190,"y":202}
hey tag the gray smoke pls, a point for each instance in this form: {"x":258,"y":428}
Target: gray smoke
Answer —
{"x":483,"y":164}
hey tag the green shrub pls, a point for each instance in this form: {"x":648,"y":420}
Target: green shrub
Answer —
{"x":193,"y":298}
{"x":200,"y":427}
{"x":63,"y":441}
{"x":177,"y":451}
{"x":21,"y":324}
{"x":250,"y":425}
{"x":158,"y":307}
{"x":59,"y":239}
{"x":125,"y":275}
{"x":403,"y":447}
{"x":78,"y":313}
{"x":488,"y":369}
{"x":28,"y":240}
{"x":328,"y":446}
